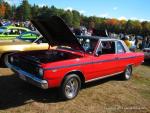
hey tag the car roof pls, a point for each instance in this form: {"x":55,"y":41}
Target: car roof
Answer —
{"x":98,"y":37}
{"x":34,"y":32}
{"x":17,"y":27}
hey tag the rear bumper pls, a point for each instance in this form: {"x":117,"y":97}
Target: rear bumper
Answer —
{"x":29,"y":77}
{"x":146,"y":55}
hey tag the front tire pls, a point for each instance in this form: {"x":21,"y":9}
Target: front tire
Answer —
{"x":127,"y":73}
{"x":2,"y":61}
{"x":70,"y":87}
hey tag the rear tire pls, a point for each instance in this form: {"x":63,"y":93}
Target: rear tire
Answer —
{"x":2,"y":61}
{"x":70,"y":87}
{"x":126,"y":75}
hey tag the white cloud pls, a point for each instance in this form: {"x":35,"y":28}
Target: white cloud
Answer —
{"x":133,"y":18}
{"x":141,"y":20}
{"x":68,"y":8}
{"x":115,"y":8}
{"x":41,"y":5}
{"x":9,"y":1}
{"x":13,"y":2}
{"x":82,"y":11}
{"x":122,"y":18}
{"x":104,"y":15}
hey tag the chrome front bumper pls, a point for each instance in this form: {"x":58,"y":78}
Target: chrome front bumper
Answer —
{"x":29,"y":77}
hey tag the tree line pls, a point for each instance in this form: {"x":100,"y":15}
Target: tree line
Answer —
{"x":26,"y":11}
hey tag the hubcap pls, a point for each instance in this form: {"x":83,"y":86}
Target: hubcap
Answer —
{"x":71,"y":87}
{"x":128,"y":73}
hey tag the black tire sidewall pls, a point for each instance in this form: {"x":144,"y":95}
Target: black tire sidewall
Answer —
{"x":3,"y":64}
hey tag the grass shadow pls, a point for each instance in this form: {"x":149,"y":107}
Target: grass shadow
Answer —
{"x":102,"y":81}
{"x":14,"y":92}
{"x":146,"y":63}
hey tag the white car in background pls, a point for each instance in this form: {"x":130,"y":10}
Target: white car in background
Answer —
{"x":146,"y":53}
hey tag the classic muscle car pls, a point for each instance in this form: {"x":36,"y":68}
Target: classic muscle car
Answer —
{"x":75,"y":61}
{"x":11,"y":32}
{"x":25,"y":42}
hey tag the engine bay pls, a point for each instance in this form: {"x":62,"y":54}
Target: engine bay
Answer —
{"x":47,"y":56}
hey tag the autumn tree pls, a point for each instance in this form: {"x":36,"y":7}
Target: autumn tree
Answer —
{"x":2,"y":9}
{"x":9,"y":12}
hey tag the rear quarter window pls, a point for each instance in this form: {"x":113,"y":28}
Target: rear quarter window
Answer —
{"x":120,"y":48}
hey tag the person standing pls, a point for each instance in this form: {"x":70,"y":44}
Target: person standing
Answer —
{"x":127,"y":42}
{"x":144,"y":42}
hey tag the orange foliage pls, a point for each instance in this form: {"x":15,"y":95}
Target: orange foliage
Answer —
{"x":112,"y":22}
{"x":2,"y":9}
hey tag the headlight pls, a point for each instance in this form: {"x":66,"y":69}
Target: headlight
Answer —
{"x":11,"y":59}
{"x":41,"y":72}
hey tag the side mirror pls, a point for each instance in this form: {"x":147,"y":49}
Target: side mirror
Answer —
{"x":39,"y":42}
{"x":132,"y":49}
{"x":98,"y":53}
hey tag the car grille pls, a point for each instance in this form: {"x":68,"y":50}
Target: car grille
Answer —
{"x":25,"y":65}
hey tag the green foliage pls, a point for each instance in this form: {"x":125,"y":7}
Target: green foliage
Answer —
{"x":76,"y":19}
{"x":23,"y":12}
{"x":68,"y":17}
{"x":73,"y":18}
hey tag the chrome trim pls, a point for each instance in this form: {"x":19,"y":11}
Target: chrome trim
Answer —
{"x":29,"y":77}
{"x":103,"y":77}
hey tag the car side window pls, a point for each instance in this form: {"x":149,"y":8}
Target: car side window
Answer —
{"x":120,"y":48}
{"x":21,"y":31}
{"x":41,"y":40}
{"x":13,"y":31}
{"x":106,"y":47}
{"x":29,"y":35}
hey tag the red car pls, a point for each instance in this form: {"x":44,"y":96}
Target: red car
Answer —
{"x":75,"y":61}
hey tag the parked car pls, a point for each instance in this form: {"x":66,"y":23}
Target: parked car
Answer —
{"x":146,"y":53}
{"x":25,"y":42}
{"x":11,"y":32}
{"x":75,"y":61}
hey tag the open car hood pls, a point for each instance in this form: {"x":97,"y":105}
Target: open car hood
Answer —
{"x":56,"y":32}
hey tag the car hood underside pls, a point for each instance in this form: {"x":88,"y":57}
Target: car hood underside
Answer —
{"x":57,"y":33}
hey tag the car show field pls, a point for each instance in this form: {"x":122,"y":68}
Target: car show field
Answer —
{"x":105,"y":96}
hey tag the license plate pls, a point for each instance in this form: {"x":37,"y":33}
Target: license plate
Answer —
{"x":22,"y":77}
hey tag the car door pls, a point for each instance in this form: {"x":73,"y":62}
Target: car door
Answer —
{"x":11,"y":33}
{"x":124,"y":57}
{"x":35,"y":42}
{"x":40,"y":44}
{"x":104,"y":63}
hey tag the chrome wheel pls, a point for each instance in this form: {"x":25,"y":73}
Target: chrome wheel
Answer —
{"x":71,"y":88}
{"x":128,"y":72}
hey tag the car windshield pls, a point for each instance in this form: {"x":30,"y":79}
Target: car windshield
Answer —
{"x":2,"y":29}
{"x":87,"y":43}
{"x":28,"y":36}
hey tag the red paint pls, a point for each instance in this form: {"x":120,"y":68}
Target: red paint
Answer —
{"x":91,"y":66}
